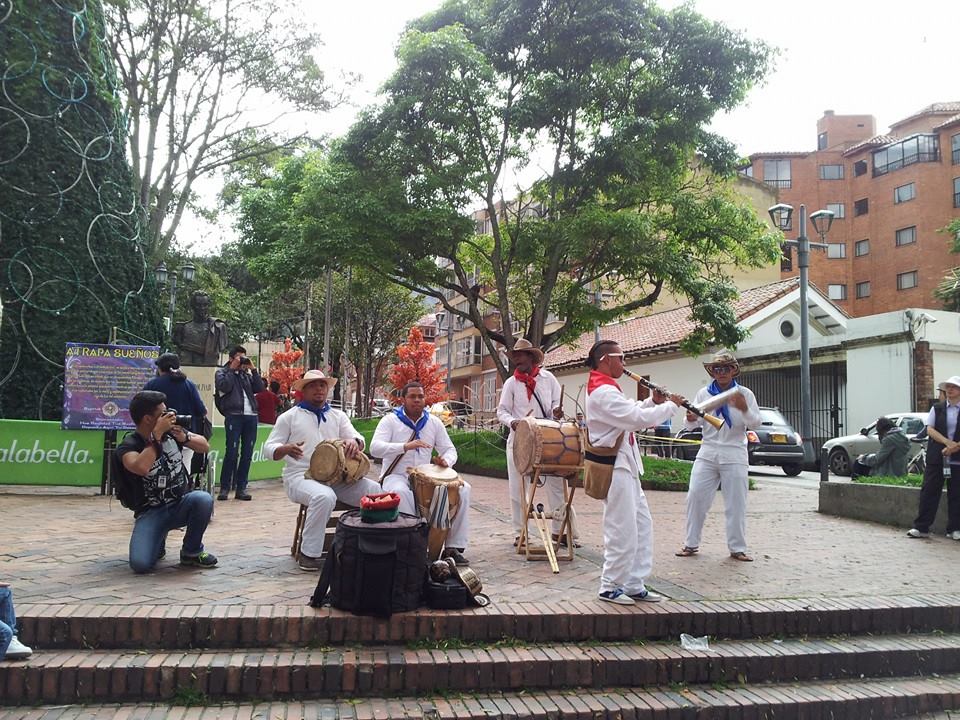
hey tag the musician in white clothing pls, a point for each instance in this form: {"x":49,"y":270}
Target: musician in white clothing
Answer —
{"x":627,"y":524}
{"x":722,"y":459}
{"x":406,"y":438}
{"x":535,"y":392}
{"x":298,"y":431}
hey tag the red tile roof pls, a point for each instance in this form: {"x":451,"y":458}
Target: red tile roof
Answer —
{"x":875,"y":141}
{"x":663,"y":331}
{"x":932,"y":109}
{"x":948,"y":121}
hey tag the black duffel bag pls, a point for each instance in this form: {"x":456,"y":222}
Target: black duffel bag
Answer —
{"x":375,"y":568}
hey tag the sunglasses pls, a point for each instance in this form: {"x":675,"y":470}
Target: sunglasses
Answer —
{"x":721,"y":369}
{"x":612,"y":355}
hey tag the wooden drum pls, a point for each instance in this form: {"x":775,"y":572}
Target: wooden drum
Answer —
{"x":330,"y":465}
{"x":437,"y":493}
{"x":549,"y":443}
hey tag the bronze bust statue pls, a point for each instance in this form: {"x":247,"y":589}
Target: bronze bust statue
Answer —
{"x":200,"y":341}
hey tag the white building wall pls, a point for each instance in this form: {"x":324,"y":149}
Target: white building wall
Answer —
{"x":878,"y":382}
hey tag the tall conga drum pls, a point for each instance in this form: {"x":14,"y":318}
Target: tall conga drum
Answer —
{"x":547,"y":442}
{"x":437,"y":493}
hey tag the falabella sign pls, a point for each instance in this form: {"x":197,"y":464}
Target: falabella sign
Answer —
{"x":34,"y":452}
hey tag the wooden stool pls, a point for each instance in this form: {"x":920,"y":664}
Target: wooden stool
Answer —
{"x":338,"y":510}
{"x":570,"y":484}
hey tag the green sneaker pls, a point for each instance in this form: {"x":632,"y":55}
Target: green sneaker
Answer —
{"x":203,"y":560}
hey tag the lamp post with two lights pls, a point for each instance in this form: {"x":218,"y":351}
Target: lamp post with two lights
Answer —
{"x":781,"y":215}
{"x":444,"y":320}
{"x":162,"y":275}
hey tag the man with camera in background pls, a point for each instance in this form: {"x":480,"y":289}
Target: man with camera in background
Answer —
{"x":237,"y":384}
{"x":153,"y":466}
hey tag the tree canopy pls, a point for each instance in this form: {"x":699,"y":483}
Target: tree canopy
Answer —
{"x":577,"y":130}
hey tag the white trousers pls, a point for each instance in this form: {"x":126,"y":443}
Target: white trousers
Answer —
{"x":459,"y":528}
{"x":320,"y":500}
{"x":627,"y":535}
{"x":553,"y":487}
{"x":704,"y":479}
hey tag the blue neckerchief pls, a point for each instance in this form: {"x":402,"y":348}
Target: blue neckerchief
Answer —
{"x":714,"y":389}
{"x":320,"y":412}
{"x":421,"y":423}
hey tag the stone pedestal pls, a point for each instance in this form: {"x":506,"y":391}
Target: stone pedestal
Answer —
{"x":203,"y":378}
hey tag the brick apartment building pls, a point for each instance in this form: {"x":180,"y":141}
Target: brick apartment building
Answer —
{"x":891,"y":194}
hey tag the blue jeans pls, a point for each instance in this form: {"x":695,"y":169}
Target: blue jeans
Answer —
{"x":151,"y":527}
{"x":8,"y":620}
{"x":241,"y":433}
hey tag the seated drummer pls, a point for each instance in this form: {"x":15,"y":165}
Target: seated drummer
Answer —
{"x":406,"y":438}
{"x":297,"y":432}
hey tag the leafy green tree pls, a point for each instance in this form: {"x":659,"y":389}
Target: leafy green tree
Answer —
{"x":579,"y":129}
{"x":71,"y":256}
{"x":205,"y":83}
{"x":948,"y":290}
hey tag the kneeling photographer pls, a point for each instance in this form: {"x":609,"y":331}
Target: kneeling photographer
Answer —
{"x":154,"y":484}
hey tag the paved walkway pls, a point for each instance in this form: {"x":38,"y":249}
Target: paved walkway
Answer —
{"x":58,"y":547}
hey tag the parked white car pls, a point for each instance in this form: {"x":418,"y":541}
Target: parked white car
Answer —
{"x":842,"y":451}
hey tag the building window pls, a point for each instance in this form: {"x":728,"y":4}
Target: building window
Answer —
{"x":831,"y":172}
{"x":919,"y":148}
{"x":835,"y":251}
{"x":863,"y":290}
{"x":777,"y":173}
{"x":956,"y":192}
{"x":955,"y":149}
{"x":860,"y":168}
{"x":907,"y":236}
{"x":904,"y":193}
{"x":837,"y":292}
{"x":822,"y":141}
{"x":861,"y":207}
{"x":861,"y":248}
{"x":747,"y":171}
{"x":787,"y":329}
{"x":786,"y":258}
{"x":839,"y":213}
{"x":907,"y":280}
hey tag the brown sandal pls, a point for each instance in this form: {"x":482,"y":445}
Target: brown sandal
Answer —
{"x":741,"y":556}
{"x":687,"y":551}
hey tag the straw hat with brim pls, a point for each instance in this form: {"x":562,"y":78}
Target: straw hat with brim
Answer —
{"x":954,"y":380}
{"x":524,"y":345}
{"x":723,"y":358}
{"x":313,"y":376}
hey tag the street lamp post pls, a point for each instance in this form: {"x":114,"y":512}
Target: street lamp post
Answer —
{"x":162,"y":275}
{"x":441,"y":319}
{"x":780,"y":214}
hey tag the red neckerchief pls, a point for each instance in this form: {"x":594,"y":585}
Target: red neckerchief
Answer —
{"x":529,"y":380}
{"x":598,"y":379}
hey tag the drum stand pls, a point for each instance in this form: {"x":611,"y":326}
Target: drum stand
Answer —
{"x":534,"y":512}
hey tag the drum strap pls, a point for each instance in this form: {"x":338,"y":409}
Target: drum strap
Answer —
{"x":397,"y":458}
{"x":545,"y":414}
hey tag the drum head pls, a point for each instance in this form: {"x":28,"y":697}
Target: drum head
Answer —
{"x":356,"y":467}
{"x":325,"y":462}
{"x":526,"y":445}
{"x":434,"y":472}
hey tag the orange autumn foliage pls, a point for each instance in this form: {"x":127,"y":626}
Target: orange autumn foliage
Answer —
{"x":415,"y":362}
{"x":284,"y":368}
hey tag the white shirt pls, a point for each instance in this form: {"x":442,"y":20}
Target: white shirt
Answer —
{"x":609,"y":413}
{"x":728,"y":444}
{"x":391,"y":435}
{"x":299,"y":425}
{"x":514,"y":403}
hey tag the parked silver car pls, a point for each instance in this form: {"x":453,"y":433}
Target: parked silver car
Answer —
{"x":843,"y":450}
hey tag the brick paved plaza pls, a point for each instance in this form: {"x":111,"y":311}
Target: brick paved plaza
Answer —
{"x":72,"y":549}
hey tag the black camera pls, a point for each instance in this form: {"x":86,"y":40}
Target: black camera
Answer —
{"x":184,"y":421}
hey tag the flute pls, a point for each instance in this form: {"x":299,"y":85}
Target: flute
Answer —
{"x":715,"y":421}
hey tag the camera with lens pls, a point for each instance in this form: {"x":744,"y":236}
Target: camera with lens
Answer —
{"x":184,"y":421}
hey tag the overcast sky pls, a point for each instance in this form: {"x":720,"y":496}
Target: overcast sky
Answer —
{"x":850,"y":56}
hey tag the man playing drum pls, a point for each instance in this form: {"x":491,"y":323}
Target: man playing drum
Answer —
{"x":406,"y":438}
{"x":298,"y":431}
{"x":627,"y":524}
{"x":535,"y":392}
{"x":722,"y":459}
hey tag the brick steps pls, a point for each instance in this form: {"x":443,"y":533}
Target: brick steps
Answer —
{"x":91,"y":675}
{"x":851,"y":700}
{"x":248,"y":626}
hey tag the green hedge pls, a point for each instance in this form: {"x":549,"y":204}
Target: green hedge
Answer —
{"x":904,"y":481}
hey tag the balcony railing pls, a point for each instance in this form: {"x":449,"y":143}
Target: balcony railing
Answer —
{"x":460,"y":361}
{"x":929,"y":156}
{"x":778,"y":183}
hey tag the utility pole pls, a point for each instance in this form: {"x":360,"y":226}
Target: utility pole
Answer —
{"x":306,"y":326}
{"x":326,"y":319}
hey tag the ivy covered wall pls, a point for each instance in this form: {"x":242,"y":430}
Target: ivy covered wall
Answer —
{"x":71,"y":263}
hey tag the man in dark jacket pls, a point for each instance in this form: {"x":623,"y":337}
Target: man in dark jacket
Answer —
{"x":891,"y":461}
{"x":182,"y":395}
{"x":943,"y":463}
{"x":237,"y":384}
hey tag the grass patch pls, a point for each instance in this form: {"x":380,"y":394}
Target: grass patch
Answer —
{"x":905,"y":481}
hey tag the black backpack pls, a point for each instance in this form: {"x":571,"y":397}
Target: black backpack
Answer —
{"x":375,"y":568}
{"x":128,"y":491}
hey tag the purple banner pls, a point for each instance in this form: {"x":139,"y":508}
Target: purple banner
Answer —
{"x":100,"y":380}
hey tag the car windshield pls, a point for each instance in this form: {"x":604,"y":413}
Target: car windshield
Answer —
{"x":772,"y":417}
